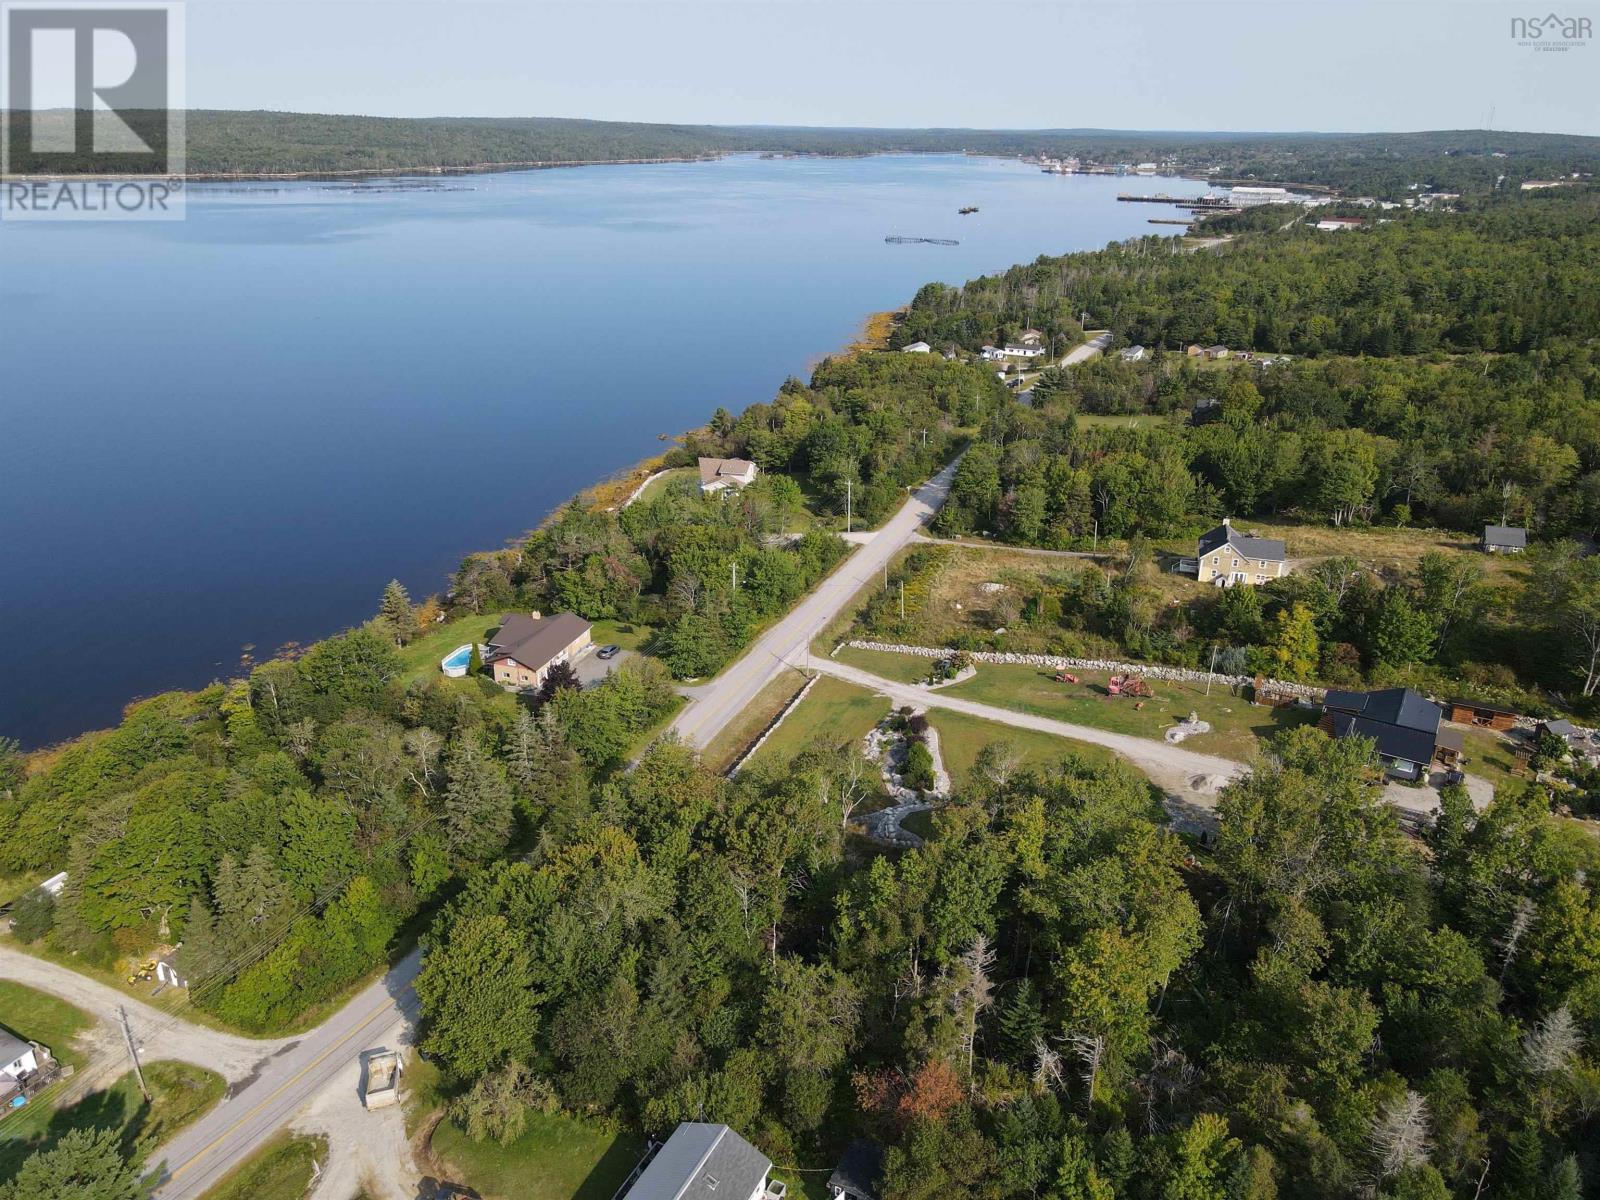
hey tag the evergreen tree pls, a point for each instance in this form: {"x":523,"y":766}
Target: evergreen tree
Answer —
{"x":396,"y":613}
{"x":1021,"y":1023}
{"x":477,"y":802}
{"x":86,"y":1164}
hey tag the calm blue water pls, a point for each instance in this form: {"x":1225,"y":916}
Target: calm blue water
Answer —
{"x":237,"y":428}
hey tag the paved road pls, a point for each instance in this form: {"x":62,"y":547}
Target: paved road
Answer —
{"x":284,"y":1083}
{"x":787,"y":643}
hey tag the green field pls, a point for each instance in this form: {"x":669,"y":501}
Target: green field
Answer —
{"x":833,"y":713}
{"x":901,"y":668}
{"x":1236,"y":725}
{"x":180,"y":1094}
{"x":36,"y":1016}
{"x":961,"y":737}
{"x":557,"y":1158}
{"x":280,"y":1170}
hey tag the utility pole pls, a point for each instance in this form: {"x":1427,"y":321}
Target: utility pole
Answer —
{"x":847,"y":496}
{"x":902,"y":599}
{"x":1097,"y":537}
{"x":735,"y":566}
{"x":1213,"y":670}
{"x":133,"y":1053}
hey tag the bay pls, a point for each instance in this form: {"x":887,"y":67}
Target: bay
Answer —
{"x":235,"y":429}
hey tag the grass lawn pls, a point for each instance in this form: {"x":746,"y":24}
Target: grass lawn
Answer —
{"x":1236,"y":724}
{"x":1121,"y":420}
{"x":1488,"y":756}
{"x":557,"y":1158}
{"x":280,"y":1170}
{"x":12,"y":886}
{"x":961,"y":737}
{"x":180,"y":1094}
{"x":902,"y":668}
{"x":39,"y":1017}
{"x":733,"y":739}
{"x":834,"y":713}
{"x":657,"y":486}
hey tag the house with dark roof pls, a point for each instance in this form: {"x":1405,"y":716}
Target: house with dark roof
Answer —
{"x":1405,"y":725}
{"x":859,"y":1173}
{"x":1227,"y":557}
{"x":701,"y":1161}
{"x":527,"y":645}
{"x":1504,"y":539}
{"x":720,"y":474}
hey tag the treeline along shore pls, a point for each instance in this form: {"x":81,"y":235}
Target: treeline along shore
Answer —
{"x":254,"y":145}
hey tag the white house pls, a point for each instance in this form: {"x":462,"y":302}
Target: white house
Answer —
{"x":1023,"y":350}
{"x":916,"y":348}
{"x":17,"y":1057}
{"x":1335,"y":224}
{"x":718,"y":474}
{"x":1030,"y":337}
{"x":701,"y":1161}
{"x":1133,"y":354}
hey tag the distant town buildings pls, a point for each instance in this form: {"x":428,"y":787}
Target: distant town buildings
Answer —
{"x":1247,"y":197}
{"x":1335,"y":224}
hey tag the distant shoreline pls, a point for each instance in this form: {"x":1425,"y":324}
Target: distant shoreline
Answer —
{"x":370,"y":172}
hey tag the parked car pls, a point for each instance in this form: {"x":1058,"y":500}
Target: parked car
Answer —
{"x":609,"y":651}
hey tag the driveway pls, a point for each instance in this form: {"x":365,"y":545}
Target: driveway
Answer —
{"x":787,"y":644}
{"x":158,"y":1034}
{"x":1191,"y":778}
{"x":591,"y":668}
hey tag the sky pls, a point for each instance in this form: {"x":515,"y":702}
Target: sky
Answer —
{"x":1330,"y":65}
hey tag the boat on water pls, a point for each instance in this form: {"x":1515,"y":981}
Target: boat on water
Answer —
{"x":971,"y":208}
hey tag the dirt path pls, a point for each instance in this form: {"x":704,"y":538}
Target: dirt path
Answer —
{"x":157,"y":1033}
{"x":1187,"y":775}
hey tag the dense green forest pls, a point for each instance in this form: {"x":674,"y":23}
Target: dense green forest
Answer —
{"x":1056,"y":995}
{"x":1386,"y":165}
{"x":1052,"y":997}
{"x":1444,"y":373}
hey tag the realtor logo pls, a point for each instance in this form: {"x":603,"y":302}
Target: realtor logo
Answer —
{"x":93,"y":126}
{"x":1551,"y":32}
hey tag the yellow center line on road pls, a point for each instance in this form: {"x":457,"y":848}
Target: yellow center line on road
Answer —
{"x":388,"y":1006}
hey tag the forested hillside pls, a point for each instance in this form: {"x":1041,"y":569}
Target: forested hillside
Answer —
{"x":1387,"y":165}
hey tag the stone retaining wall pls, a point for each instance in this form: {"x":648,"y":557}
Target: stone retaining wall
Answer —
{"x":1148,"y":670}
{"x":1060,"y":663}
{"x":788,"y":708}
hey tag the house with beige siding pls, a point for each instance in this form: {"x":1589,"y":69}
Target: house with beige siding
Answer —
{"x":1227,"y":557}
{"x":527,"y":645}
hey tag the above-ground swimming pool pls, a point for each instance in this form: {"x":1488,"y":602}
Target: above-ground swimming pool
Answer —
{"x":456,"y":662}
